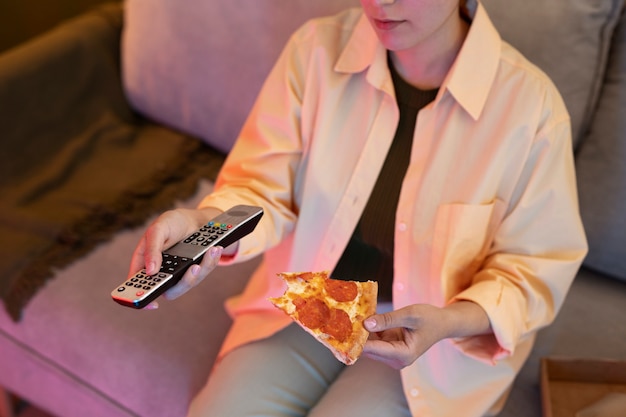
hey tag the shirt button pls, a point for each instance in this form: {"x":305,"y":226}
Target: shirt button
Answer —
{"x":402,"y":227}
{"x":414,"y":392}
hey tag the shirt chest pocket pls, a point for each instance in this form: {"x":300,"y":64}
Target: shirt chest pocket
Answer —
{"x":463,"y":234}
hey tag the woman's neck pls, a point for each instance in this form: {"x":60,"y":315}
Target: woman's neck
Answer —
{"x":426,"y":65}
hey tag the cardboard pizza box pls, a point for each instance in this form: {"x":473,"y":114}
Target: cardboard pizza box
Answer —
{"x":571,"y":385}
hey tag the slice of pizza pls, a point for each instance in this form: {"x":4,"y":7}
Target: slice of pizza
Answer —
{"x":329,"y":309}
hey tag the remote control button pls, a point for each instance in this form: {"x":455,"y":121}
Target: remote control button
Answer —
{"x":120,"y":289}
{"x":139,"y":293}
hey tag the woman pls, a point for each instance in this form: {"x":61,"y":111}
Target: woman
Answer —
{"x":404,"y":142}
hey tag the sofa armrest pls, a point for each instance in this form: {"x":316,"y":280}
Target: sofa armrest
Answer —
{"x":55,"y":84}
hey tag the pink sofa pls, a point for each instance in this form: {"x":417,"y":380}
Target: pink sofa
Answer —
{"x":183,"y":74}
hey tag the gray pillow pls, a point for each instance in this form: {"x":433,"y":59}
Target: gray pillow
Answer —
{"x":601,"y":169}
{"x":568,"y":39}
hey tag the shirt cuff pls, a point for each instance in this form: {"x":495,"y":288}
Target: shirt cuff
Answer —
{"x":503,"y":305}
{"x":249,"y":246}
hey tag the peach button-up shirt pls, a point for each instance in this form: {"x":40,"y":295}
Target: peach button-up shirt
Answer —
{"x":488,"y":209}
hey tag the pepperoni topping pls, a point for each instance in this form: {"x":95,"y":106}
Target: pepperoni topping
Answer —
{"x":306,"y":276}
{"x":312,"y":312}
{"x":338,"y":325}
{"x":341,"y":290}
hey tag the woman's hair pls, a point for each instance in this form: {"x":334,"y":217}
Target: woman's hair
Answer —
{"x":468,"y":7}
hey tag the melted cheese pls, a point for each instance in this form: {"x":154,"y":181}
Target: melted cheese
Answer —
{"x":315,"y":287}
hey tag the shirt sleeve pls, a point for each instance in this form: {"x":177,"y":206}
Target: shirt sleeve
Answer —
{"x":261,"y":168}
{"x":536,"y":252}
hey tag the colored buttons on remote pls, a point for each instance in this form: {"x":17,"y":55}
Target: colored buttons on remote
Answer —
{"x":208,"y":233}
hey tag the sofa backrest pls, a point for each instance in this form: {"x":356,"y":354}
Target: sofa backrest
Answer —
{"x":601,"y":168}
{"x":197,"y":66}
{"x":569,"y":40}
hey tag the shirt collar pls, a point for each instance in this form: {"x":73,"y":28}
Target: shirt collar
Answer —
{"x":468,"y":81}
{"x":363,"y":52}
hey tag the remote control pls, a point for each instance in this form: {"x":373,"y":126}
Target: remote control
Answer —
{"x":227,"y":228}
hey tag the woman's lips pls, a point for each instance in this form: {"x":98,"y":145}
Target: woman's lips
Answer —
{"x":387,"y":24}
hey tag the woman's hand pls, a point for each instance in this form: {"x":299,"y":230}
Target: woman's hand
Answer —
{"x":167,"y":230}
{"x":399,"y":337}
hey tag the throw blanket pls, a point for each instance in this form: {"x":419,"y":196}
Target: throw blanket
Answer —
{"x":77,"y":163}
{"x":112,"y":176}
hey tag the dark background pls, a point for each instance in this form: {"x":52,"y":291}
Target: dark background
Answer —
{"x":21,"y":20}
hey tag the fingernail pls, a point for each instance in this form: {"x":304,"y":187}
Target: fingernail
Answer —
{"x":195,"y":270}
{"x":150,"y":268}
{"x":370,"y":323}
{"x":215,"y":252}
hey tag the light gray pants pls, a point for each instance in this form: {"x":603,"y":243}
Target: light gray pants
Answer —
{"x":291,"y":374}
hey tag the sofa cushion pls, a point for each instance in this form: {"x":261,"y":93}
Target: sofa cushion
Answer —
{"x":568,"y":39}
{"x":601,"y":169}
{"x":78,"y":353}
{"x":198,"y":65}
